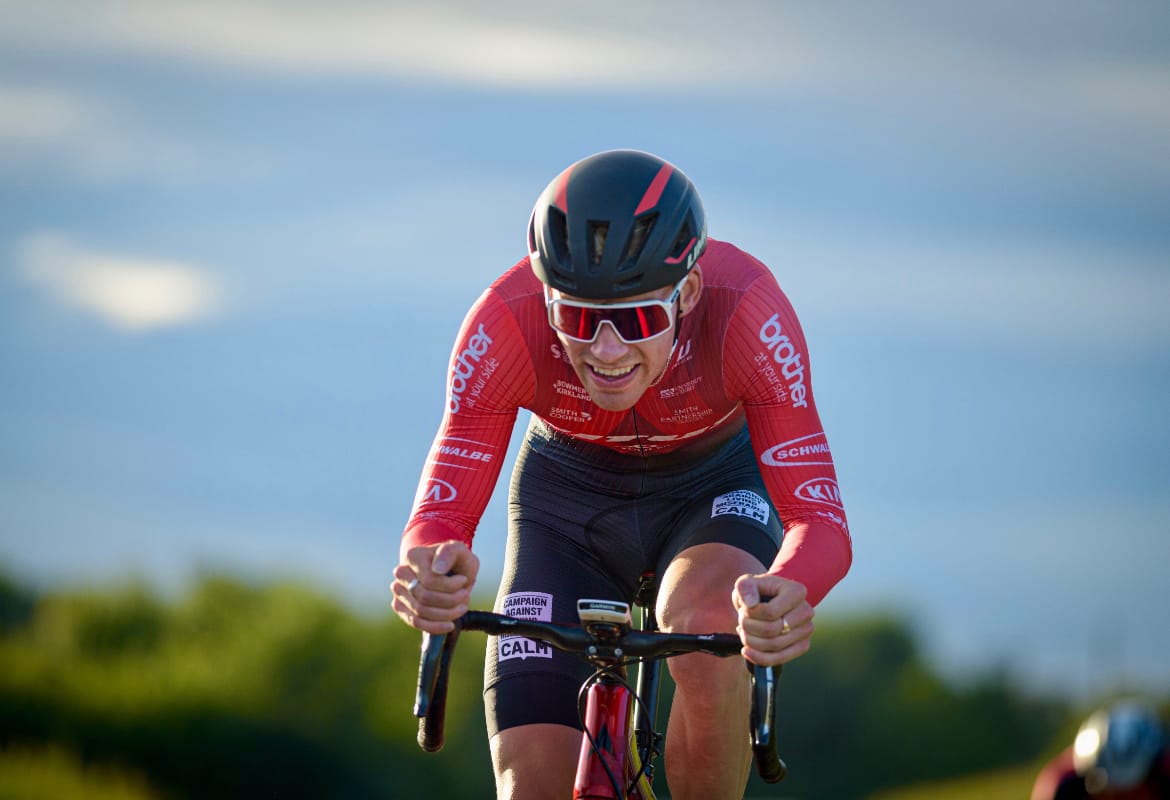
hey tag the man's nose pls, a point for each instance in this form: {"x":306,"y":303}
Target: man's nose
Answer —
{"x":608,"y":346}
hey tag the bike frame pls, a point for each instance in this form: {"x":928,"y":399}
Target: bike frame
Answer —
{"x":609,"y":748}
{"x":618,"y":745}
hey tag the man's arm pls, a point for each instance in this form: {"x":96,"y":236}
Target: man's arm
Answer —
{"x":489,"y":376}
{"x":767,"y":367}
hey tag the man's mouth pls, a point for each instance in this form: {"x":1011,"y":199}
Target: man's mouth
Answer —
{"x":612,"y":374}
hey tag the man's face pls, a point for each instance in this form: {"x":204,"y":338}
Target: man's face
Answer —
{"x":617,"y":373}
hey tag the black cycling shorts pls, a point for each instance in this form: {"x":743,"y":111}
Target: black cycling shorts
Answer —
{"x":585,"y":521}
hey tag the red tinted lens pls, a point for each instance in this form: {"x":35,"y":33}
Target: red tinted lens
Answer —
{"x":632,"y":324}
{"x":640,"y":322}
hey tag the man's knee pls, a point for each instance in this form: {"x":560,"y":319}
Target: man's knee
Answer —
{"x":535,"y":761}
{"x":695,"y":594}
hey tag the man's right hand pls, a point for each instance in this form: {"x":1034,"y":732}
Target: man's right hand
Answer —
{"x":432,"y":585}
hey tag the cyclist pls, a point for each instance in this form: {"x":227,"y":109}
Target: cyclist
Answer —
{"x":1120,"y":753}
{"x":672,"y":430}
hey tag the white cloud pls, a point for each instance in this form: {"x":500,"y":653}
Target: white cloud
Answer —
{"x":29,"y":114}
{"x":98,"y":140}
{"x":1048,"y":294}
{"x":996,"y":80}
{"x":1034,"y":294}
{"x":994,"y":74}
{"x":610,"y":44}
{"x":129,"y":293}
{"x":501,"y":44}
{"x":1140,"y":92}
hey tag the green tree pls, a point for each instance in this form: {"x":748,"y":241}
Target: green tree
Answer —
{"x":235,"y":690}
{"x":862,"y":711}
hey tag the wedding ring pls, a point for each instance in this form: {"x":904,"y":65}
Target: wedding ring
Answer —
{"x":411,"y":586}
{"x":784,"y":627}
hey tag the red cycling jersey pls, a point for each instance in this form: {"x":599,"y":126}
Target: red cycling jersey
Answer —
{"x":740,"y":356}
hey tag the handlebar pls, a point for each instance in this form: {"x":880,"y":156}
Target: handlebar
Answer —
{"x":574,"y":639}
{"x":430,"y":703}
{"x":430,"y":699}
{"x":768,"y":762}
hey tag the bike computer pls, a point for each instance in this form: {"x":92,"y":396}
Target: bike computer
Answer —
{"x":611,"y":611}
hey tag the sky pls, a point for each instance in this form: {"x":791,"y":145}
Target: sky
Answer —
{"x":237,"y":238}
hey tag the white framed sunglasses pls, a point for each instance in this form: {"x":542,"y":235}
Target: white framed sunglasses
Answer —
{"x":633,"y":322}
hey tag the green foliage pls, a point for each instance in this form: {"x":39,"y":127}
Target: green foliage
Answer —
{"x":1008,"y":784}
{"x":863,"y":698}
{"x":234,"y":691}
{"x":53,"y":774}
{"x":240,"y":690}
{"x":16,"y":604}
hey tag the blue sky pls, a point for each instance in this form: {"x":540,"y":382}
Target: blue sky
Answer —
{"x":237,"y":238}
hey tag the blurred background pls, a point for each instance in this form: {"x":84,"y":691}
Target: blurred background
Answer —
{"x":237,"y":238}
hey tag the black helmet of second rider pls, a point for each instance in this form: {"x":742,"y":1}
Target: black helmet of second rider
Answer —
{"x":616,"y":224}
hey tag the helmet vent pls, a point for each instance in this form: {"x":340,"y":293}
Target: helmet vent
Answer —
{"x":638,"y":238}
{"x":631,"y":284}
{"x":683,"y":239}
{"x":597,"y":233}
{"x":559,"y":235}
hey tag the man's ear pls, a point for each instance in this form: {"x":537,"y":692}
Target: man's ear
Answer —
{"x":691,"y":290}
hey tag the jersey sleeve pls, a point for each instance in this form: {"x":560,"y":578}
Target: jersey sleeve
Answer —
{"x":1057,"y":780}
{"x":489,"y":379}
{"x":766,"y":366}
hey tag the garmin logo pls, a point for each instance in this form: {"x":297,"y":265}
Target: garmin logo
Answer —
{"x":807,"y":451}
{"x":820,"y":490}
{"x":785,"y":354}
{"x":463,"y":369}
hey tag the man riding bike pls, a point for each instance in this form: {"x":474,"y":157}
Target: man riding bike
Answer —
{"x":1120,"y":753}
{"x":673,"y":431}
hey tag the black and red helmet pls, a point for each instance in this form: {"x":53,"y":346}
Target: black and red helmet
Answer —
{"x":616,"y":224}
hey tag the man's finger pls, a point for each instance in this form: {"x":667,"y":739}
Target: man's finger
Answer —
{"x":748,"y":593}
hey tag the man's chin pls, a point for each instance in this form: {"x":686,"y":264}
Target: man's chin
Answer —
{"x":610,"y":404}
{"x":613,"y":401}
